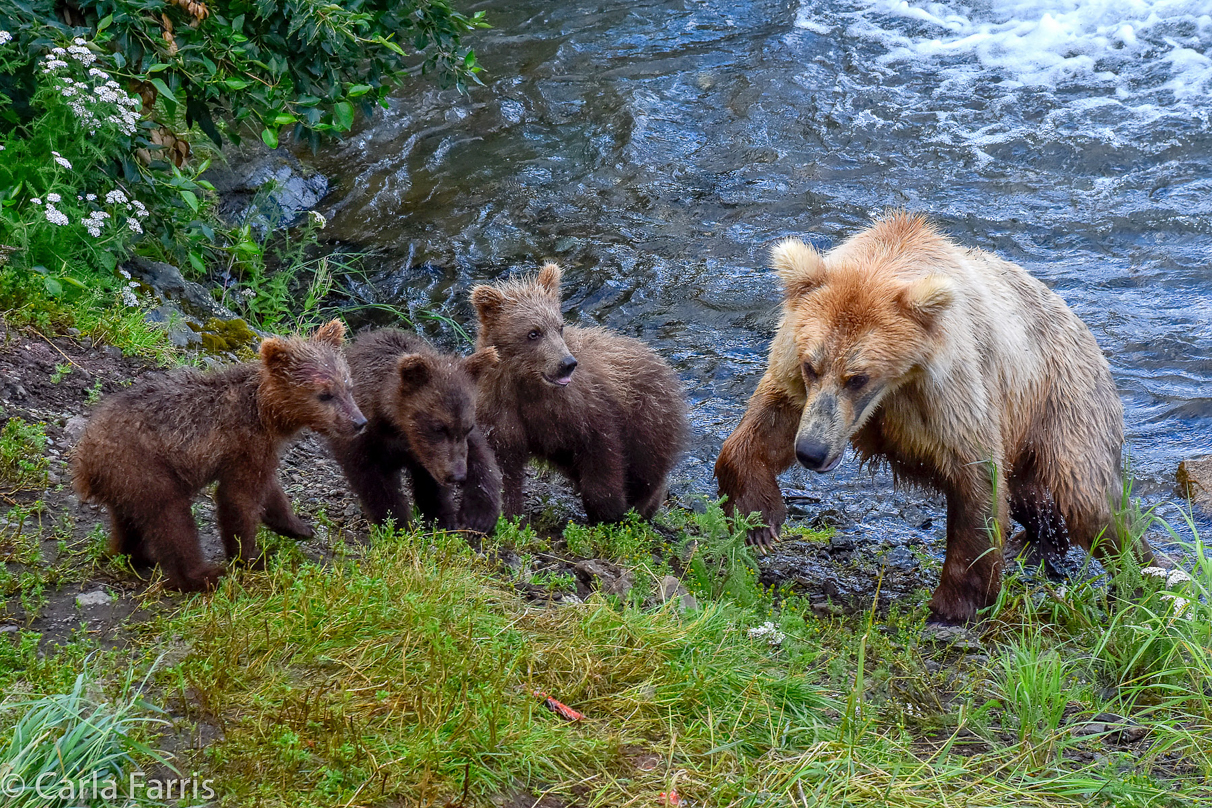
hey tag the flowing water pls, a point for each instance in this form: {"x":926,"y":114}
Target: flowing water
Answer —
{"x":657,"y":149}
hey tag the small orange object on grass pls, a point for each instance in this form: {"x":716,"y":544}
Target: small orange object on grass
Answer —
{"x":559,"y":708}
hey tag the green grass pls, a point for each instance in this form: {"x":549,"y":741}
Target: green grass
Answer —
{"x":23,"y":463}
{"x":405,"y":672}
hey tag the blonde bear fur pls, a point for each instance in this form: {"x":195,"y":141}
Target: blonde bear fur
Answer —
{"x":958,"y":369}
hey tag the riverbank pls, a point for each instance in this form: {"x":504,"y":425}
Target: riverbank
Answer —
{"x":401,"y":669}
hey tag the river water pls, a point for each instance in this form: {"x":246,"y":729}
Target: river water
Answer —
{"x":657,"y":149}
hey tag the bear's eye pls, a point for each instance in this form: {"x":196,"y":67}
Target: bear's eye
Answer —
{"x":326,"y":396}
{"x":561,"y":329}
{"x":856,"y":382}
{"x":534,"y":334}
{"x":809,"y":373}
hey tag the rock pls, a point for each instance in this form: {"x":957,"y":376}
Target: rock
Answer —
{"x":841,"y":543}
{"x":1195,"y":481}
{"x":672,"y":588}
{"x":956,"y":638}
{"x":9,"y":629}
{"x":916,"y":517}
{"x":74,"y":428}
{"x":98,"y":597}
{"x":267,"y":188}
{"x":168,"y":283}
{"x":1113,"y":728}
{"x":902,"y":558}
{"x":610,"y":578}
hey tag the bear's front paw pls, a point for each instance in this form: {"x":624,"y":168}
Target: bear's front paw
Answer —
{"x":763,"y":539}
{"x":480,"y":520}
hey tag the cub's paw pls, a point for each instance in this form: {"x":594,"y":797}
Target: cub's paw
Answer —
{"x":763,"y":539}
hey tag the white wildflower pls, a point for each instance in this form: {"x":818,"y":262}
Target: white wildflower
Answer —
{"x":1177,"y":577}
{"x":59,"y":51}
{"x":115,"y":197}
{"x":98,"y":72}
{"x":129,"y":299}
{"x":317,"y":219}
{"x":1180,"y":604}
{"x":53,"y":197}
{"x":61,"y":160}
{"x":248,"y":293}
{"x":5,"y":37}
{"x":134,"y":225}
{"x":52,"y":64}
{"x":91,"y":197}
{"x":769,"y":632}
{"x":140,"y":210}
{"x":36,"y":201}
{"x":55,"y":216}
{"x":1155,"y":572}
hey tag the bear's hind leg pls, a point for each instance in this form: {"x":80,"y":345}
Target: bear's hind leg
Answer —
{"x":1032,"y":506}
{"x":173,"y":543}
{"x":126,"y":538}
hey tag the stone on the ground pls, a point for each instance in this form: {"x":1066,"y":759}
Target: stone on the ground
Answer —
{"x":672,"y":588}
{"x":98,"y":597}
{"x":610,"y":578}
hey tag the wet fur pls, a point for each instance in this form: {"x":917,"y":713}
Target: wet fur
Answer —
{"x":615,"y":430}
{"x":147,"y":451}
{"x":421,"y":411}
{"x":981,"y":380}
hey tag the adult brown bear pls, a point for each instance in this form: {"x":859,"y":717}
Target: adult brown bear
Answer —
{"x":962,"y":372}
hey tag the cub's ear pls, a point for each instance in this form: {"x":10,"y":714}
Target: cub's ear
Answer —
{"x":800,"y":267}
{"x":481,"y":361}
{"x":332,"y":332}
{"x":926,"y":299}
{"x":276,"y":354}
{"x":488,"y":301}
{"x":549,"y":278}
{"x":414,"y":371}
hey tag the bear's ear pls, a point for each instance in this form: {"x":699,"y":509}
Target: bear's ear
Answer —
{"x":488,"y":301}
{"x":332,"y":332}
{"x":800,"y":267}
{"x":276,"y":354}
{"x":549,"y":278}
{"x":414,"y":371}
{"x":926,"y":299}
{"x":481,"y":361}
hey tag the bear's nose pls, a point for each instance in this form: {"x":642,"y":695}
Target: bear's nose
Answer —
{"x":567,"y":365}
{"x":458,"y":474}
{"x":811,"y":453}
{"x":359,"y":422}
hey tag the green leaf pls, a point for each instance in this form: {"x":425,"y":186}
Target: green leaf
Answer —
{"x":195,"y":261}
{"x":105,"y":22}
{"x":191,"y":199}
{"x":236,"y":84}
{"x":109,"y":261}
{"x":359,"y":90}
{"x":283,"y":118}
{"x":156,"y":68}
{"x":343,"y":115}
{"x":53,"y":287}
{"x":269,"y":138}
{"x":163,"y":88}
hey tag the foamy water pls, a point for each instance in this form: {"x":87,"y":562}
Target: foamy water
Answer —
{"x":1149,"y":58}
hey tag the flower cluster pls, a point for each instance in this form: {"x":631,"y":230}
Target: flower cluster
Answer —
{"x":128,"y":295}
{"x":5,"y":37}
{"x":100,"y":100}
{"x":770,"y":633}
{"x":1173,"y":578}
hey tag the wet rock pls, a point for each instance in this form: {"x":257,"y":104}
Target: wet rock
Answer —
{"x":1195,"y":481}
{"x":267,"y":188}
{"x":902,"y":558}
{"x":1114,"y":728}
{"x":98,"y":597}
{"x":841,"y":543}
{"x":609,"y":578}
{"x":672,"y":588}
{"x":956,"y":638}
{"x":916,"y":517}
{"x":831,"y":517}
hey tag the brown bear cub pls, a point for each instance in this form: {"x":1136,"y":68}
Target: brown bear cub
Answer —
{"x":958,"y":369}
{"x":148,"y":450}
{"x":602,"y":408}
{"x":421,"y":411}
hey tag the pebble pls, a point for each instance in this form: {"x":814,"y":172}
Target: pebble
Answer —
{"x":98,"y":597}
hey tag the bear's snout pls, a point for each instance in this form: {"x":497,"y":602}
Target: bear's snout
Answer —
{"x":814,"y":454}
{"x":563,"y":371}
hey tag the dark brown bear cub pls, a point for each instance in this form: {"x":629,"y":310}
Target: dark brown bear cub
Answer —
{"x":421,"y":407}
{"x":147,"y":451}
{"x":602,"y":408}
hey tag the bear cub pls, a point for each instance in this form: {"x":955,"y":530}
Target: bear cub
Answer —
{"x":421,"y":411}
{"x":147,"y":451}
{"x":601,"y":408}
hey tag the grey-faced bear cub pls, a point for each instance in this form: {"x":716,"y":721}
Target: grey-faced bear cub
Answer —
{"x":421,"y":411}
